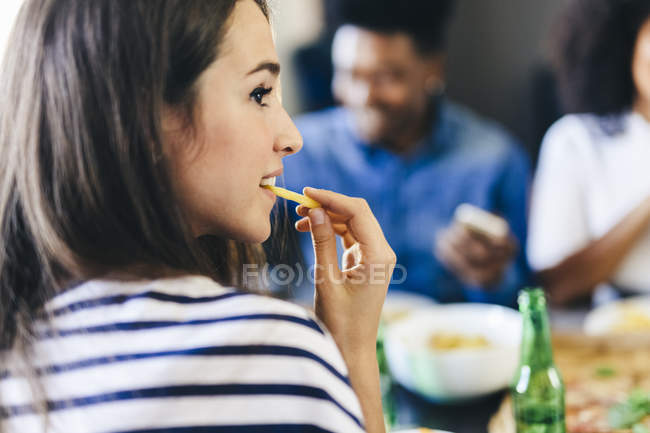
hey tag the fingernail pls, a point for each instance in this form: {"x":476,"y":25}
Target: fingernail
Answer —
{"x":306,"y":190}
{"x":317,"y":216}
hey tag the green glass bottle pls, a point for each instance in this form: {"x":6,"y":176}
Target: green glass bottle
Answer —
{"x":537,"y":389}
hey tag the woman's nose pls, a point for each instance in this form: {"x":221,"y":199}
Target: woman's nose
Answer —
{"x":288,"y":140}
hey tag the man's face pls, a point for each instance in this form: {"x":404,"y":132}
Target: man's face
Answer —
{"x":384,"y":81}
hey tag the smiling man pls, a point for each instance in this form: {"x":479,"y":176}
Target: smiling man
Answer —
{"x":415,"y":156}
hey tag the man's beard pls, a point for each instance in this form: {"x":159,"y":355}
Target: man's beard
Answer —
{"x":382,"y":126}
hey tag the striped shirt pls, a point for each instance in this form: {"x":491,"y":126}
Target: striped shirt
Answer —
{"x":181,"y":355}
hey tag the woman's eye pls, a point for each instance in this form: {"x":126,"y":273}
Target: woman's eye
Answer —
{"x":259,"y":93}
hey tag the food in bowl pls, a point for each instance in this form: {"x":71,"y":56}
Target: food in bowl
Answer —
{"x":630,"y":316}
{"x":451,"y":341}
{"x":446,"y":376}
{"x":632,"y":319}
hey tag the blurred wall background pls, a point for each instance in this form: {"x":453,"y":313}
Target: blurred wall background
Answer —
{"x":295,"y":23}
{"x":8,"y":11}
{"x":495,"y":48}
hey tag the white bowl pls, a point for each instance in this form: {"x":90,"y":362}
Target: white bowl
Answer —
{"x":399,"y":305}
{"x":456,"y":374}
{"x":420,"y":430}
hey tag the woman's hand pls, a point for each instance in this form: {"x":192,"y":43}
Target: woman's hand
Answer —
{"x":349,"y":298}
{"x":577,"y":275}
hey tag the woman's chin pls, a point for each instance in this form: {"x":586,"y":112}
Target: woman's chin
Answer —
{"x":257,"y":234}
{"x":263,"y":236}
{"x":253,"y":230}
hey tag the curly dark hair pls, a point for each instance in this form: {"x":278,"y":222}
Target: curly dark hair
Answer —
{"x":425,"y":21}
{"x":593,"y":50}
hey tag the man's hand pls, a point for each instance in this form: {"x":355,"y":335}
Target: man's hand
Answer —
{"x":475,"y":258}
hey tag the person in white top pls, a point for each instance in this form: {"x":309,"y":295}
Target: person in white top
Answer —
{"x":135,"y":137}
{"x":590,"y":208}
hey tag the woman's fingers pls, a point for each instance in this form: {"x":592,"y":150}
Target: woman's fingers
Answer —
{"x":324,"y":241}
{"x":359,"y":219}
{"x":303,"y":211}
{"x":348,"y":239}
{"x":341,"y":230}
{"x":302,"y":225}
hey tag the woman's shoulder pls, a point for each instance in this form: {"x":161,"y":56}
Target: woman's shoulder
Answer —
{"x":183,"y":301}
{"x":181,"y":290}
{"x":157,"y":314}
{"x":577,"y":138}
{"x":571,"y":125}
{"x":588,"y":128}
{"x":244,"y":358}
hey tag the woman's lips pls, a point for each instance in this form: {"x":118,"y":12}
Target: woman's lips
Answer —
{"x":268,"y":181}
{"x":269,"y":193}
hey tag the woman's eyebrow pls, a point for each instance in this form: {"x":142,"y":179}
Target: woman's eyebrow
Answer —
{"x":272,"y":67}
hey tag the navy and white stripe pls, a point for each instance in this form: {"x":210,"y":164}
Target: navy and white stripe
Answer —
{"x":182,"y":355}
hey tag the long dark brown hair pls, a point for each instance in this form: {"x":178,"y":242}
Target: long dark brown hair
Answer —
{"x":84,"y":184}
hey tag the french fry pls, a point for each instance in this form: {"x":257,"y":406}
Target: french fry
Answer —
{"x":293,"y":196}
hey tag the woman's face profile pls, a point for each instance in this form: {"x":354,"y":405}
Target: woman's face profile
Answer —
{"x":241,"y":134}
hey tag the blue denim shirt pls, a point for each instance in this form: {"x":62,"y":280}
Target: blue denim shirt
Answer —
{"x":463,"y":159}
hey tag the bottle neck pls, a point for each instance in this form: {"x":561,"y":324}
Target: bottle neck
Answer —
{"x":536,"y":339}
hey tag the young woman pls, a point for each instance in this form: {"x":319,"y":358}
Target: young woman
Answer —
{"x":134,"y":136}
{"x":590,"y":213}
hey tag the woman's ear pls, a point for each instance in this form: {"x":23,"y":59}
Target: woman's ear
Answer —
{"x":172,"y":121}
{"x":180,"y":134}
{"x":172,"y":126}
